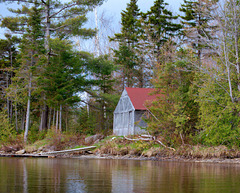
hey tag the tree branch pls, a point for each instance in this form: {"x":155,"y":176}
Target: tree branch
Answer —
{"x":68,"y":6}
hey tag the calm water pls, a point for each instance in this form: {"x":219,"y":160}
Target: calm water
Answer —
{"x":79,"y":175}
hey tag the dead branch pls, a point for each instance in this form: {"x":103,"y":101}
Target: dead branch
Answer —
{"x":149,"y":139}
{"x":152,"y":113}
{"x":182,"y":139}
{"x":131,"y":139}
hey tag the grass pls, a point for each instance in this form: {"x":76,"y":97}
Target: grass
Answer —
{"x":204,"y":152}
{"x":115,"y":145}
{"x":121,"y":147}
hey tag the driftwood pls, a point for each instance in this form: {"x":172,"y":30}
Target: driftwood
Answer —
{"x":70,"y":150}
{"x":25,"y":155}
{"x":148,"y":138}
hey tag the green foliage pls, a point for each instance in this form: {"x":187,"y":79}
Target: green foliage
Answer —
{"x":198,"y":23}
{"x":62,"y":78}
{"x":140,"y":146}
{"x":34,"y":134}
{"x":103,"y":92}
{"x":86,"y":122}
{"x":131,"y":25}
{"x":126,"y":57}
{"x":194,"y":104}
{"x":7,"y":131}
{"x":219,"y":118}
{"x":175,"y":111}
{"x":160,"y":25}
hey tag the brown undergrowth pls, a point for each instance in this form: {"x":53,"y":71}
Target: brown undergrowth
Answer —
{"x":204,"y":152}
{"x":53,"y":141}
{"x":120,"y":147}
{"x":14,"y":144}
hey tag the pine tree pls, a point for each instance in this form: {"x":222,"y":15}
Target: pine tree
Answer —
{"x":102,"y":69}
{"x":62,"y":79}
{"x":199,"y":29}
{"x":160,"y":26}
{"x":8,"y":54}
{"x":57,"y":19}
{"x":31,"y":52}
{"x":126,"y":56}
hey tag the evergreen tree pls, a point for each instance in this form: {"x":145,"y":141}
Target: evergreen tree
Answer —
{"x":128,"y":39}
{"x":8,"y":54}
{"x":175,"y":112}
{"x":62,"y":80}
{"x":103,"y":91}
{"x":160,"y":26}
{"x":31,"y":51}
{"x":199,"y":28}
{"x":57,"y":19}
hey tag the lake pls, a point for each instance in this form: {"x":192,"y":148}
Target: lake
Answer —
{"x":100,"y":175}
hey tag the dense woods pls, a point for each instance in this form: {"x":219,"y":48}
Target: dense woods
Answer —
{"x":192,"y":59}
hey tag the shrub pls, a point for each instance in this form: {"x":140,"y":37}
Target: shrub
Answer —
{"x":7,"y":131}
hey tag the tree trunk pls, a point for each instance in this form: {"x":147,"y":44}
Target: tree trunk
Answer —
{"x":16,"y":117}
{"x":97,"y":46}
{"x":11,"y":76}
{"x":44,"y":117}
{"x":60,"y":119}
{"x":23,"y":120}
{"x":57,"y":121}
{"x":54,"y":114}
{"x":28,"y":110}
{"x":236,"y":40}
{"x":66,"y":121}
{"x":50,"y":117}
{"x":8,"y":104}
{"x":11,"y":111}
{"x":40,"y":126}
{"x":47,"y":47}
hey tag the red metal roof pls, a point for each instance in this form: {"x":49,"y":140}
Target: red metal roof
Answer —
{"x":139,"y":96}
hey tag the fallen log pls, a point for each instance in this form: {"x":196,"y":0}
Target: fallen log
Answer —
{"x":70,"y":150}
{"x":24,"y":155}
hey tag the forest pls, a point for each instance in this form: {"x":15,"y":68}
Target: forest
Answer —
{"x":48,"y":83}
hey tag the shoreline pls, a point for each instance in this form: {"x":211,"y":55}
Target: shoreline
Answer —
{"x":162,"y":158}
{"x":130,"y":157}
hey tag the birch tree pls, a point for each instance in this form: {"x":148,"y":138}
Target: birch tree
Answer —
{"x":219,"y":92}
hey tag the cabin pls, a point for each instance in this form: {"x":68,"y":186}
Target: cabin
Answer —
{"x":130,"y":110}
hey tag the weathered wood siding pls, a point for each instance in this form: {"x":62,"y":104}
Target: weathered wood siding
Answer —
{"x":126,"y":120}
{"x":123,"y":123}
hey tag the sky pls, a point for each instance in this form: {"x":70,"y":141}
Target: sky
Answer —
{"x":111,"y":8}
{"x":116,"y":6}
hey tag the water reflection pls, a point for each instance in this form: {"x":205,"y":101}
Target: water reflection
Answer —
{"x":75,"y":175}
